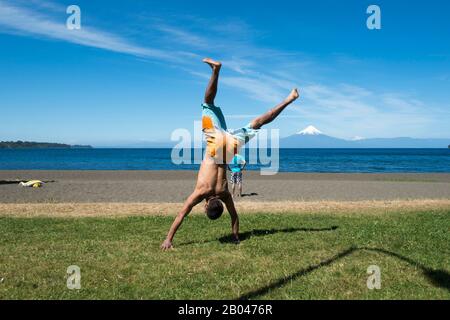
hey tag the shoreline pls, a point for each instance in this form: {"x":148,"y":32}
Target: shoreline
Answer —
{"x":188,"y":174}
{"x":175,"y":186}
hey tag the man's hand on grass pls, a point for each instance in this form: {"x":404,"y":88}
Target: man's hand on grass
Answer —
{"x":166,"y":245}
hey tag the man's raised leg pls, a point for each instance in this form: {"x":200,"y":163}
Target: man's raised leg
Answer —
{"x":211,"y":90}
{"x":274,"y":112}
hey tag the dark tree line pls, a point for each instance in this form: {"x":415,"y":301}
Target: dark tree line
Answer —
{"x":37,"y":145}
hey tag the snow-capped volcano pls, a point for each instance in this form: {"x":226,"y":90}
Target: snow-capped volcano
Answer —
{"x":311,"y":137}
{"x":310,"y":131}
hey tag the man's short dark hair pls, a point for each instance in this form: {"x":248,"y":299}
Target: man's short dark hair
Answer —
{"x":214,"y":209}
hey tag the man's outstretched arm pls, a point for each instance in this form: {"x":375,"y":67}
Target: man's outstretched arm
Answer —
{"x":228,"y":200}
{"x":195,"y":198}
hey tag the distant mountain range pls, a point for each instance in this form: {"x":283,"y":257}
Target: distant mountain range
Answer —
{"x":38,"y":145}
{"x":311,"y":137}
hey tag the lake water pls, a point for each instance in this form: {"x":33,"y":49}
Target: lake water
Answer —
{"x":291,"y":160}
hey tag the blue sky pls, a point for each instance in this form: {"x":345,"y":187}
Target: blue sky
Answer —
{"x":133,"y":73}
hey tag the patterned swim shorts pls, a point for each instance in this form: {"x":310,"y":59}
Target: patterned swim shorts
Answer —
{"x":224,"y":145}
{"x":236,"y":177}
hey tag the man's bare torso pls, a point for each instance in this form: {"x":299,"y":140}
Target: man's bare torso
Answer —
{"x":212,"y":176}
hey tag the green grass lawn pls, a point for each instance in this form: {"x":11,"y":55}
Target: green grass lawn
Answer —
{"x":291,"y":256}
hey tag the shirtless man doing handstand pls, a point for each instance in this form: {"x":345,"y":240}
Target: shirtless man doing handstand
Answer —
{"x":222,"y":145}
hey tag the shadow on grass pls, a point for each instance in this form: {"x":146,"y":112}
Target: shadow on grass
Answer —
{"x":439,"y":278}
{"x":300,"y":273}
{"x":259,"y":233}
{"x":253,"y":194}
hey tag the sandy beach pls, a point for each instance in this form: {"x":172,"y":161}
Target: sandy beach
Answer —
{"x":175,"y":186}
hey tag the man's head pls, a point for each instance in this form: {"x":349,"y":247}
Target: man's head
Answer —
{"x":214,"y":208}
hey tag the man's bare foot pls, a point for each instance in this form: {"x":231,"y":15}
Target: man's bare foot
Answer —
{"x":293,"y":95}
{"x":213,"y":64}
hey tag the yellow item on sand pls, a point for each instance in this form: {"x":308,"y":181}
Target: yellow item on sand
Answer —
{"x":32,"y":183}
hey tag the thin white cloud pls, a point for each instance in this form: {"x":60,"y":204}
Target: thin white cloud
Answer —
{"x":183,"y":36}
{"x":255,"y":89}
{"x":345,"y":114}
{"x":252,"y":116}
{"x":241,"y":116}
{"x":43,"y":4}
{"x":23,"y":21}
{"x":239,"y":65}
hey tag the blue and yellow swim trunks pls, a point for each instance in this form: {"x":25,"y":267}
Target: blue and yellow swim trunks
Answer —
{"x":223,"y":144}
